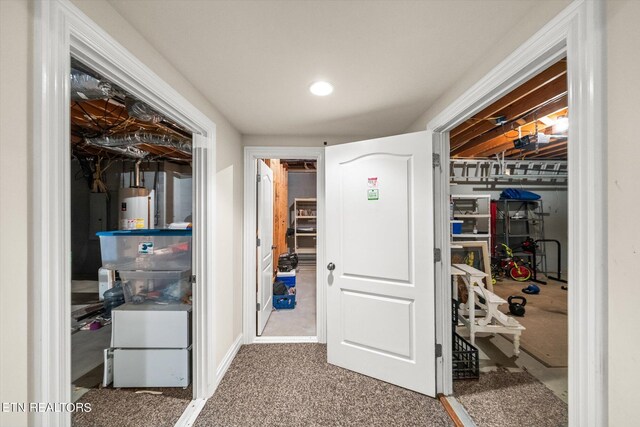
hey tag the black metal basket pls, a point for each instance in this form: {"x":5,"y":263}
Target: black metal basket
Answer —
{"x":465,"y":359}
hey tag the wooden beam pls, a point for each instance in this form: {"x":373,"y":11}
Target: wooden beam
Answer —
{"x":497,"y":138}
{"x":534,"y":100}
{"x":280,"y":208}
{"x":558,"y":152}
{"x":541,"y":149}
{"x":553,"y":72}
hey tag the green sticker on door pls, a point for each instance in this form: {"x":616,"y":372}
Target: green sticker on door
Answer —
{"x":373,"y":194}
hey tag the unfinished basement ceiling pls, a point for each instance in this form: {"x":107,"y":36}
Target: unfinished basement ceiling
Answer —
{"x":388,"y":60}
{"x":107,"y":122}
{"x":533,"y":108}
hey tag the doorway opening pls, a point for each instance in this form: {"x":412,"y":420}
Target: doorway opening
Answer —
{"x":131,"y":209}
{"x":284,"y":300}
{"x":509,"y":250}
{"x":576,"y":33}
{"x":287,"y":230}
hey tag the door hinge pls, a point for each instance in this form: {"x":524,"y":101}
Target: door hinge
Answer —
{"x":258,"y":241}
{"x":437,"y":255}
{"x":259,"y":177}
{"x":192,"y":279}
{"x":436,"y":160}
{"x":258,"y":306}
{"x":438,"y":350}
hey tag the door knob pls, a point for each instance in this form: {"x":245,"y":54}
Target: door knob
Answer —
{"x":331,"y":266}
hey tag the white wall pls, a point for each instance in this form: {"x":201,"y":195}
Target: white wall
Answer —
{"x":296,"y":141}
{"x":15,"y":30}
{"x":554,"y":202}
{"x":624,"y":238}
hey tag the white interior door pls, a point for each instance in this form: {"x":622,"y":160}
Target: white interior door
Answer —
{"x":380,"y":277}
{"x":265,"y":243}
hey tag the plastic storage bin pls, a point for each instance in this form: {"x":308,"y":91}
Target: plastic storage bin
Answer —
{"x":456,"y":226}
{"x":163,"y":286}
{"x":284,"y":302}
{"x":146,"y":249}
{"x":288,"y":278}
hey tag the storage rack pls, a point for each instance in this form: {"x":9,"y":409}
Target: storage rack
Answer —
{"x":474,"y":210}
{"x":518,"y":220}
{"x":303,"y":218}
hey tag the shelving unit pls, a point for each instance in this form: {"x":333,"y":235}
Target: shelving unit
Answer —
{"x":516,"y":221}
{"x":474,"y":211}
{"x":303,"y":218}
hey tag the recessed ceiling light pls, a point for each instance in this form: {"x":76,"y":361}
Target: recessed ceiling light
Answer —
{"x":321,"y":88}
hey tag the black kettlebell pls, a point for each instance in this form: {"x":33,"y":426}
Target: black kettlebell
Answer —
{"x":517,"y":308}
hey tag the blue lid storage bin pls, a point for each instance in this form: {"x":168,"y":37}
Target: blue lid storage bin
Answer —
{"x":284,"y":302}
{"x":146,"y":249}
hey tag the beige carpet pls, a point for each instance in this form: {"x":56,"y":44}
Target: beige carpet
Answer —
{"x":292,"y":385}
{"x":504,"y":399}
{"x":546,"y":337}
{"x":125,"y":408}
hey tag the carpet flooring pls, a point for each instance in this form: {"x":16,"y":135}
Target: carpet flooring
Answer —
{"x":502,"y":398}
{"x":125,"y":408}
{"x":293,"y":385}
{"x":546,"y":320}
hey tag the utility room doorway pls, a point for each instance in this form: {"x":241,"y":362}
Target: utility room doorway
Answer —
{"x":286,"y":248}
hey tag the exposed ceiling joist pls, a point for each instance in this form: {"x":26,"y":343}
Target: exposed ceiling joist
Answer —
{"x":499,"y":139}
{"x":543,"y":149}
{"x":467,"y":129}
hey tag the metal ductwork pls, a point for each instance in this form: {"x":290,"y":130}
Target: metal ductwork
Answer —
{"x":85,"y":87}
{"x":130,"y":151}
{"x":133,"y":139}
{"x":142,"y":111}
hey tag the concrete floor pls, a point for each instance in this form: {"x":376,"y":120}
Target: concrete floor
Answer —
{"x":300,"y":321}
{"x":87,"y":347}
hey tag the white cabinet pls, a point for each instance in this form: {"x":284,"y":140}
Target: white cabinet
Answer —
{"x":151,"y":326}
{"x":152,"y":345}
{"x":155,"y":367}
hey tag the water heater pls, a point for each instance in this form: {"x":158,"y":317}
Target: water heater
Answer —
{"x":137,"y":205}
{"x":136,"y":208}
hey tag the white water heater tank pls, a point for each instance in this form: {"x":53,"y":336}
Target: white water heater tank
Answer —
{"x":137,"y":207}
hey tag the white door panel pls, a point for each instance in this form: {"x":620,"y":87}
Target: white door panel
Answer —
{"x":265,"y":252}
{"x":380,"y":298}
{"x":389,"y":258}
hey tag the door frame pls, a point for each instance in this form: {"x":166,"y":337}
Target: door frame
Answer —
{"x":579,"y":33}
{"x":60,"y":31}
{"x":249,"y":262}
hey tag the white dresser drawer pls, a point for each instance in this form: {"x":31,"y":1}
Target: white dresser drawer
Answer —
{"x":151,"y":326}
{"x":151,"y":367}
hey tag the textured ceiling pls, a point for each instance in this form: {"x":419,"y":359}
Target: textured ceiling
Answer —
{"x":388,"y":60}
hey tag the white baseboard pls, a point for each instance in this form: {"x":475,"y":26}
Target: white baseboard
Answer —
{"x":191,"y":412}
{"x":285,"y":340}
{"x":227,"y":359}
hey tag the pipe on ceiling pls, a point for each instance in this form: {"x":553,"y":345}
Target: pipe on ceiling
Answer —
{"x":136,"y":138}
